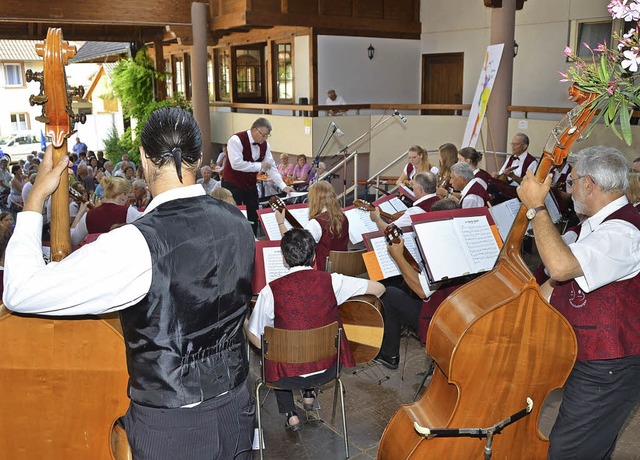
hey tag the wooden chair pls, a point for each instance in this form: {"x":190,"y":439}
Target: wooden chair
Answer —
{"x":348,"y":263}
{"x":302,"y":346}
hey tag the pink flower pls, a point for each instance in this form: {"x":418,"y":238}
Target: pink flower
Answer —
{"x":601,"y":48}
{"x":612,"y":87}
{"x":567,"y":51}
{"x":564,"y":76}
{"x":586,"y":45}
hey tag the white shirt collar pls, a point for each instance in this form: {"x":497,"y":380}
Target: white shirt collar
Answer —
{"x":299,"y":268}
{"x":594,"y":221}
{"x":175,"y":194}
{"x":251,"y":139}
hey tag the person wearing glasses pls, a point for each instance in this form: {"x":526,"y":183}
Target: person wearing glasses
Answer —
{"x":513,"y":170}
{"x":248,"y":153}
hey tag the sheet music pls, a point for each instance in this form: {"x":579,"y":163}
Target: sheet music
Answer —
{"x":387,"y":207}
{"x":359,"y":223}
{"x":406,"y":190}
{"x":274,"y":267}
{"x":291,"y":195}
{"x":552,"y":208}
{"x":301,"y":215}
{"x":397,"y":204}
{"x":479,"y":242}
{"x":412,"y":246}
{"x":271,"y":223}
{"x":387,"y":264}
{"x":504,"y":214}
{"x":441,"y":246}
{"x":244,"y":213}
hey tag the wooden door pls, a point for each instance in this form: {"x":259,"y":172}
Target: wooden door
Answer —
{"x":442,"y":80}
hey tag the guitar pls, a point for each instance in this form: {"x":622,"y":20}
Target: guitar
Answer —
{"x":363,"y":325}
{"x":366,"y":206}
{"x":392,"y":234}
{"x":278,"y":205}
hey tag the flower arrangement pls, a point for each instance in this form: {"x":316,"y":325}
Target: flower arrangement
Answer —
{"x":612,"y":72}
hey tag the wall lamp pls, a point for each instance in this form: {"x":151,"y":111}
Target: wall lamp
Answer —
{"x":371,"y":51}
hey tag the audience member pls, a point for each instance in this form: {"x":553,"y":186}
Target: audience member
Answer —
{"x":334,"y":99}
{"x":79,"y":147}
{"x":207,"y":182}
{"x":141,"y":197}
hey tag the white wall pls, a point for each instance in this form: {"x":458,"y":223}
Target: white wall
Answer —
{"x":392,"y":76}
{"x":16,"y":100}
{"x":302,"y":77}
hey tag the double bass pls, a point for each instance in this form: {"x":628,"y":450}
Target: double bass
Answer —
{"x":499,"y":349}
{"x":63,"y":381}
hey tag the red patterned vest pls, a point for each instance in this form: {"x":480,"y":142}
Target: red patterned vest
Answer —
{"x":430,"y":306}
{"x":305,"y":300}
{"x":606,"y":321}
{"x":329,"y":241}
{"x":426,"y":204}
{"x":476,"y":189}
{"x":101,"y":218}
{"x":243,"y":180}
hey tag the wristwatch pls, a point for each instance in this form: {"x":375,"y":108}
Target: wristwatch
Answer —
{"x":531,"y":213}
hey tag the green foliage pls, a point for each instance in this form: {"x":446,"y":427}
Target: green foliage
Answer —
{"x":132,"y":83}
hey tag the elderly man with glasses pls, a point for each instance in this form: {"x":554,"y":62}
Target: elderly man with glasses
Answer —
{"x":249,"y":153}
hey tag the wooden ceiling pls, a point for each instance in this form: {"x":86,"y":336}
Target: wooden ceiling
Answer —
{"x":170,"y":20}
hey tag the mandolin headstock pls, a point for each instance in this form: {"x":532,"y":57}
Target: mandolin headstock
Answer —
{"x":276,"y":204}
{"x":392,"y":234}
{"x":364,"y":205}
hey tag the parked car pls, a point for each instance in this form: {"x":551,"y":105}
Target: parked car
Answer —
{"x":17,"y":146}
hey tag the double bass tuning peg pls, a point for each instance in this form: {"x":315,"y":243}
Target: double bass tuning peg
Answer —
{"x":39,"y":99}
{"x":77,"y":91}
{"x":34,"y":76}
{"x":79,"y":118}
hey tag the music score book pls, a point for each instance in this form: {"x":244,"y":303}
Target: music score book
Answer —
{"x":390,"y":204}
{"x":359,"y":223}
{"x":505,"y":213}
{"x":269,"y":264}
{"x":267,"y":218}
{"x":456,"y":243}
{"x":380,"y":265}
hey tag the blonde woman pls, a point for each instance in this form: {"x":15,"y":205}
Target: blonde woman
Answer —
{"x":448,"y":157}
{"x":418,"y":162}
{"x":113,"y":210}
{"x":327,"y":223}
{"x":223,"y":194}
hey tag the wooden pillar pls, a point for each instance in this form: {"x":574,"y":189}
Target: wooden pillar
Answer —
{"x":160,"y":85}
{"x":200,"y":87}
{"x":503,"y":21}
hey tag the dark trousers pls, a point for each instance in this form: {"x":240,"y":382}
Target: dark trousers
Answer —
{"x":219,"y":428}
{"x":284,"y":397}
{"x":598,"y":397}
{"x":400,"y":308}
{"x":247,"y":197}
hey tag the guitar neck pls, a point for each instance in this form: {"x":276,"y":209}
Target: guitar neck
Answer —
{"x":60,"y":225}
{"x":409,"y":258}
{"x":291,"y":219}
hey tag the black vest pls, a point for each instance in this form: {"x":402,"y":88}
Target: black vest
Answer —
{"x":184,"y":339}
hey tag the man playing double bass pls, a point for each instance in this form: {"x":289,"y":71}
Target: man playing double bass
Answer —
{"x":595,"y":284}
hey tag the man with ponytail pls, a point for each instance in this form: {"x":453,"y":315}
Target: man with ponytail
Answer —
{"x":182,"y":292}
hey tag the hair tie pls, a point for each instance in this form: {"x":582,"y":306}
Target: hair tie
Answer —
{"x":177,"y":159}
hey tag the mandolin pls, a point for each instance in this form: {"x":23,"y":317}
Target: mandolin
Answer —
{"x":278,"y":205}
{"x":499,"y":349}
{"x":366,"y":206}
{"x":392,"y":234}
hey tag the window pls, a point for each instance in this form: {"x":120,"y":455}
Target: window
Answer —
{"x":19,"y":121}
{"x":210,"y":78}
{"x":594,"y":32}
{"x":284,"y":66}
{"x":169,"y":74}
{"x":249,"y":70}
{"x":222,"y":63}
{"x":178,"y":75}
{"x":13,"y":75}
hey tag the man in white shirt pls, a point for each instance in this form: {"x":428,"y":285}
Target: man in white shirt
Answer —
{"x":595,"y":284}
{"x":334,"y":99}
{"x":249,"y":153}
{"x":472,"y":192}
{"x":181,"y":307}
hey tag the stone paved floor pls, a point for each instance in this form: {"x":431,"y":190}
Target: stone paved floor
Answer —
{"x":370,"y":406}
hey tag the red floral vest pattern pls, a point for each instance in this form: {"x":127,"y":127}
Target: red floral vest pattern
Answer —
{"x":329,"y":241}
{"x":305,"y":300}
{"x":243,"y":180}
{"x":606,"y":321}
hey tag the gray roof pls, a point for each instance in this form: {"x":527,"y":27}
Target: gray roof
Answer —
{"x":98,"y":51}
{"x":19,"y":50}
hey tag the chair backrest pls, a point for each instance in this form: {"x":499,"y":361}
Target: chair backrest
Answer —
{"x":348,"y":263}
{"x":301,"y":346}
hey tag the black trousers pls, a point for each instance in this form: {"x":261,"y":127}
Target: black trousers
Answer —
{"x":284,"y":397}
{"x":247,"y":197}
{"x":400,"y":308}
{"x":598,"y":397}
{"x":220,"y":428}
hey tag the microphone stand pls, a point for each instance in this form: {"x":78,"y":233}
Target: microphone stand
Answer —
{"x":324,"y":143}
{"x":345,"y":151}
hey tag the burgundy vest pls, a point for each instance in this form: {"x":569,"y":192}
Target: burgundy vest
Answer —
{"x":243,"y":180}
{"x":410,"y":169}
{"x":606,"y":321}
{"x":430,"y":306}
{"x":329,"y":241}
{"x":426,"y":204}
{"x":527,"y":162}
{"x":484,"y":175}
{"x":476,"y":189}
{"x":103,"y":217}
{"x":305,"y":300}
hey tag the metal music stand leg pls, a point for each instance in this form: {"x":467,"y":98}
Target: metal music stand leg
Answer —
{"x":374,"y":367}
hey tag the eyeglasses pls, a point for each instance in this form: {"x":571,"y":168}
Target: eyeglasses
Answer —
{"x":266,"y":136}
{"x":571,"y":180}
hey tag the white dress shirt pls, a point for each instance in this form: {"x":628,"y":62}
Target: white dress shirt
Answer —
{"x":31,"y":286}
{"x":607,"y":251}
{"x":235,"y":157}
{"x":405,"y":219}
{"x":519,"y":163}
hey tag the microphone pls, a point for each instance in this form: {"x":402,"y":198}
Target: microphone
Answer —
{"x":337,"y":130}
{"x":402,"y":117}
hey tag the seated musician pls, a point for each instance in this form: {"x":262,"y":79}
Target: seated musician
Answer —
{"x":473,"y":157}
{"x":403,"y":308}
{"x":313,"y":302}
{"x":424,"y":187}
{"x":559,"y":186}
{"x":327,"y":223}
{"x":595,"y":284}
{"x":448,"y":156}
{"x":472,"y":193}
{"x":418,"y":162}
{"x":633,"y":194}
{"x":112,"y":211}
{"x":513,"y":170}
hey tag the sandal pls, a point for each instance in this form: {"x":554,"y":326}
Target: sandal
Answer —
{"x":290,"y":427}
{"x":309,"y":394}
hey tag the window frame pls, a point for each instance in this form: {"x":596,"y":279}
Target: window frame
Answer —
{"x":575,"y":25}
{"x":276,"y":74}
{"x":222,"y":69}
{"x":15,"y":124}
{"x":261,"y":97}
{"x":20,"y":66}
